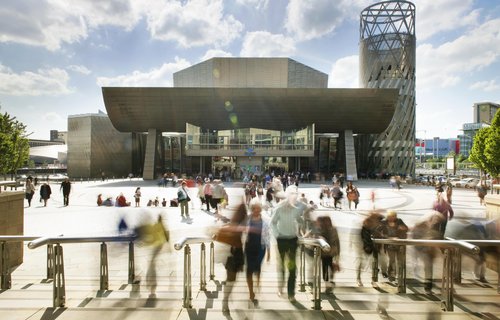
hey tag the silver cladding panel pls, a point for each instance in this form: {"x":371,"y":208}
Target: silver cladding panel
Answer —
{"x":95,"y":146}
{"x":250,"y":73}
{"x":387,"y":60}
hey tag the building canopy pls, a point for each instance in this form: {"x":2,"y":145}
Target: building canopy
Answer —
{"x":330,"y":110}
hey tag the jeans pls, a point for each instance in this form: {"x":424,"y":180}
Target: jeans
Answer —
{"x":288,"y":247}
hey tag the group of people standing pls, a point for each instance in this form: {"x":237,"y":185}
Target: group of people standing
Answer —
{"x":335,"y":194}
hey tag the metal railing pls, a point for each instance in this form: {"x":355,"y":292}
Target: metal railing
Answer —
{"x":185,"y":243}
{"x":318,"y":245}
{"x":55,"y":261}
{"x":5,"y":270}
{"x":450,"y":249}
{"x":457,"y":270}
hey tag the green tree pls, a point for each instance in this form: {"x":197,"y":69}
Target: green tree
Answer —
{"x":14,"y":146}
{"x":492,"y":147}
{"x":477,"y":155}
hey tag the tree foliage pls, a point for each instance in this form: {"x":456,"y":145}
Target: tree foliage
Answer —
{"x":14,"y":146}
{"x":485,"y":152}
{"x":492,"y":146}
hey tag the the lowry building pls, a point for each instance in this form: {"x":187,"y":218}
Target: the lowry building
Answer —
{"x":234,"y":116}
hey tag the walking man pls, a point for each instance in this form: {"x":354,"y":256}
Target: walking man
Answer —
{"x":66,"y":189}
{"x":286,"y":222}
{"x":183,"y":197}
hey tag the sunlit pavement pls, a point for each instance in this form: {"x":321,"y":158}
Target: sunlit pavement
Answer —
{"x":83,"y":218}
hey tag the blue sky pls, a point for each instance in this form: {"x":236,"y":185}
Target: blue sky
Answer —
{"x":55,"y":55}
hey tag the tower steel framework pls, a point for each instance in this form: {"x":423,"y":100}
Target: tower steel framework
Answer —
{"x":387,"y":60}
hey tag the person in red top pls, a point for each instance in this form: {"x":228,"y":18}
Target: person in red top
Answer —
{"x":121,"y":201}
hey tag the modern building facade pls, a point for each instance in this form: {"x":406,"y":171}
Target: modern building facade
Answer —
{"x":95,"y":147}
{"x":249,"y":115}
{"x":484,"y":112}
{"x":387,"y":60}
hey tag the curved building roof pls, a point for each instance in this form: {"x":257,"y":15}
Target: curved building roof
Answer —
{"x":169,"y":109}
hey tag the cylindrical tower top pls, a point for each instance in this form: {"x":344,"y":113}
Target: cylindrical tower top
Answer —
{"x":388,"y":17}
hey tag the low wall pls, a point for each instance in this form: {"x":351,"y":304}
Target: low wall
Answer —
{"x":12,"y":223}
{"x":492,"y":202}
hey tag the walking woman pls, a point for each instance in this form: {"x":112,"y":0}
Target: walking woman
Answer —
{"x":256,"y":246}
{"x":330,"y":259}
{"x":230,"y":234}
{"x":352,"y":195}
{"x":30,"y":191}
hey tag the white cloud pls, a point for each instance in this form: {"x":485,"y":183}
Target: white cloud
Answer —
{"x":434,"y":16}
{"x":258,"y":4}
{"x":50,"y":82}
{"x":50,"y":23}
{"x":192,"y":23}
{"x":80,"y":69}
{"x":307,"y":20}
{"x":160,"y":77}
{"x":52,"y":117}
{"x":445,"y":65}
{"x":345,"y":73}
{"x":265,"y":44}
{"x":487,"y":86}
{"x":215,"y":53}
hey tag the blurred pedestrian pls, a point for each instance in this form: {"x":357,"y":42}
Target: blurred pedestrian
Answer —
{"x":256,"y":246}
{"x":207,"y":191}
{"x":392,"y":227}
{"x":230,"y":235}
{"x":286,"y":223}
{"x":337,"y":195}
{"x":330,"y":259}
{"x":442,"y":206}
{"x":370,"y":229}
{"x":429,"y":229}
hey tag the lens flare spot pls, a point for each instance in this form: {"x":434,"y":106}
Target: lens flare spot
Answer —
{"x":233,"y":118}
{"x":228,"y":105}
{"x":216,"y":73}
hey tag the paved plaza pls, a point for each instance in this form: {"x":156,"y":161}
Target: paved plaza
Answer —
{"x":31,"y":296}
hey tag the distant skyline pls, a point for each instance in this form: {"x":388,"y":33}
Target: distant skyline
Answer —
{"x":56,"y":55}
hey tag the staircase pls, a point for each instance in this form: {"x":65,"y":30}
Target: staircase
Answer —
{"x":31,"y":294}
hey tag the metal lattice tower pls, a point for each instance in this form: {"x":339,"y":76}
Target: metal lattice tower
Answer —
{"x":387,"y":60}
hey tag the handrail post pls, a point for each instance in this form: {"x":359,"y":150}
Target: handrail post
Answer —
{"x":103,"y":273}
{"x":203,"y":269}
{"x":447,"y":282}
{"x":187,"y":277}
{"x":4,"y":265}
{"x":302,"y":257}
{"x":59,"y":285}
{"x":131,"y":263}
{"x":375,"y":265}
{"x":317,"y":279}
{"x":50,"y":261}
{"x":401,"y":269}
{"x":212,"y":260}
{"x":457,"y":265}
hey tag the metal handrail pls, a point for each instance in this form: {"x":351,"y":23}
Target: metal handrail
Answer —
{"x":319,"y":245}
{"x":431,"y":243}
{"x":5,"y":270}
{"x":184,"y":243}
{"x":191,"y":240}
{"x":451,"y":248}
{"x":55,"y":261}
{"x":64,"y":239}
{"x":17,"y":238}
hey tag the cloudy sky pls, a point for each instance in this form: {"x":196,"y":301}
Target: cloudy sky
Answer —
{"x":56,"y":54}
